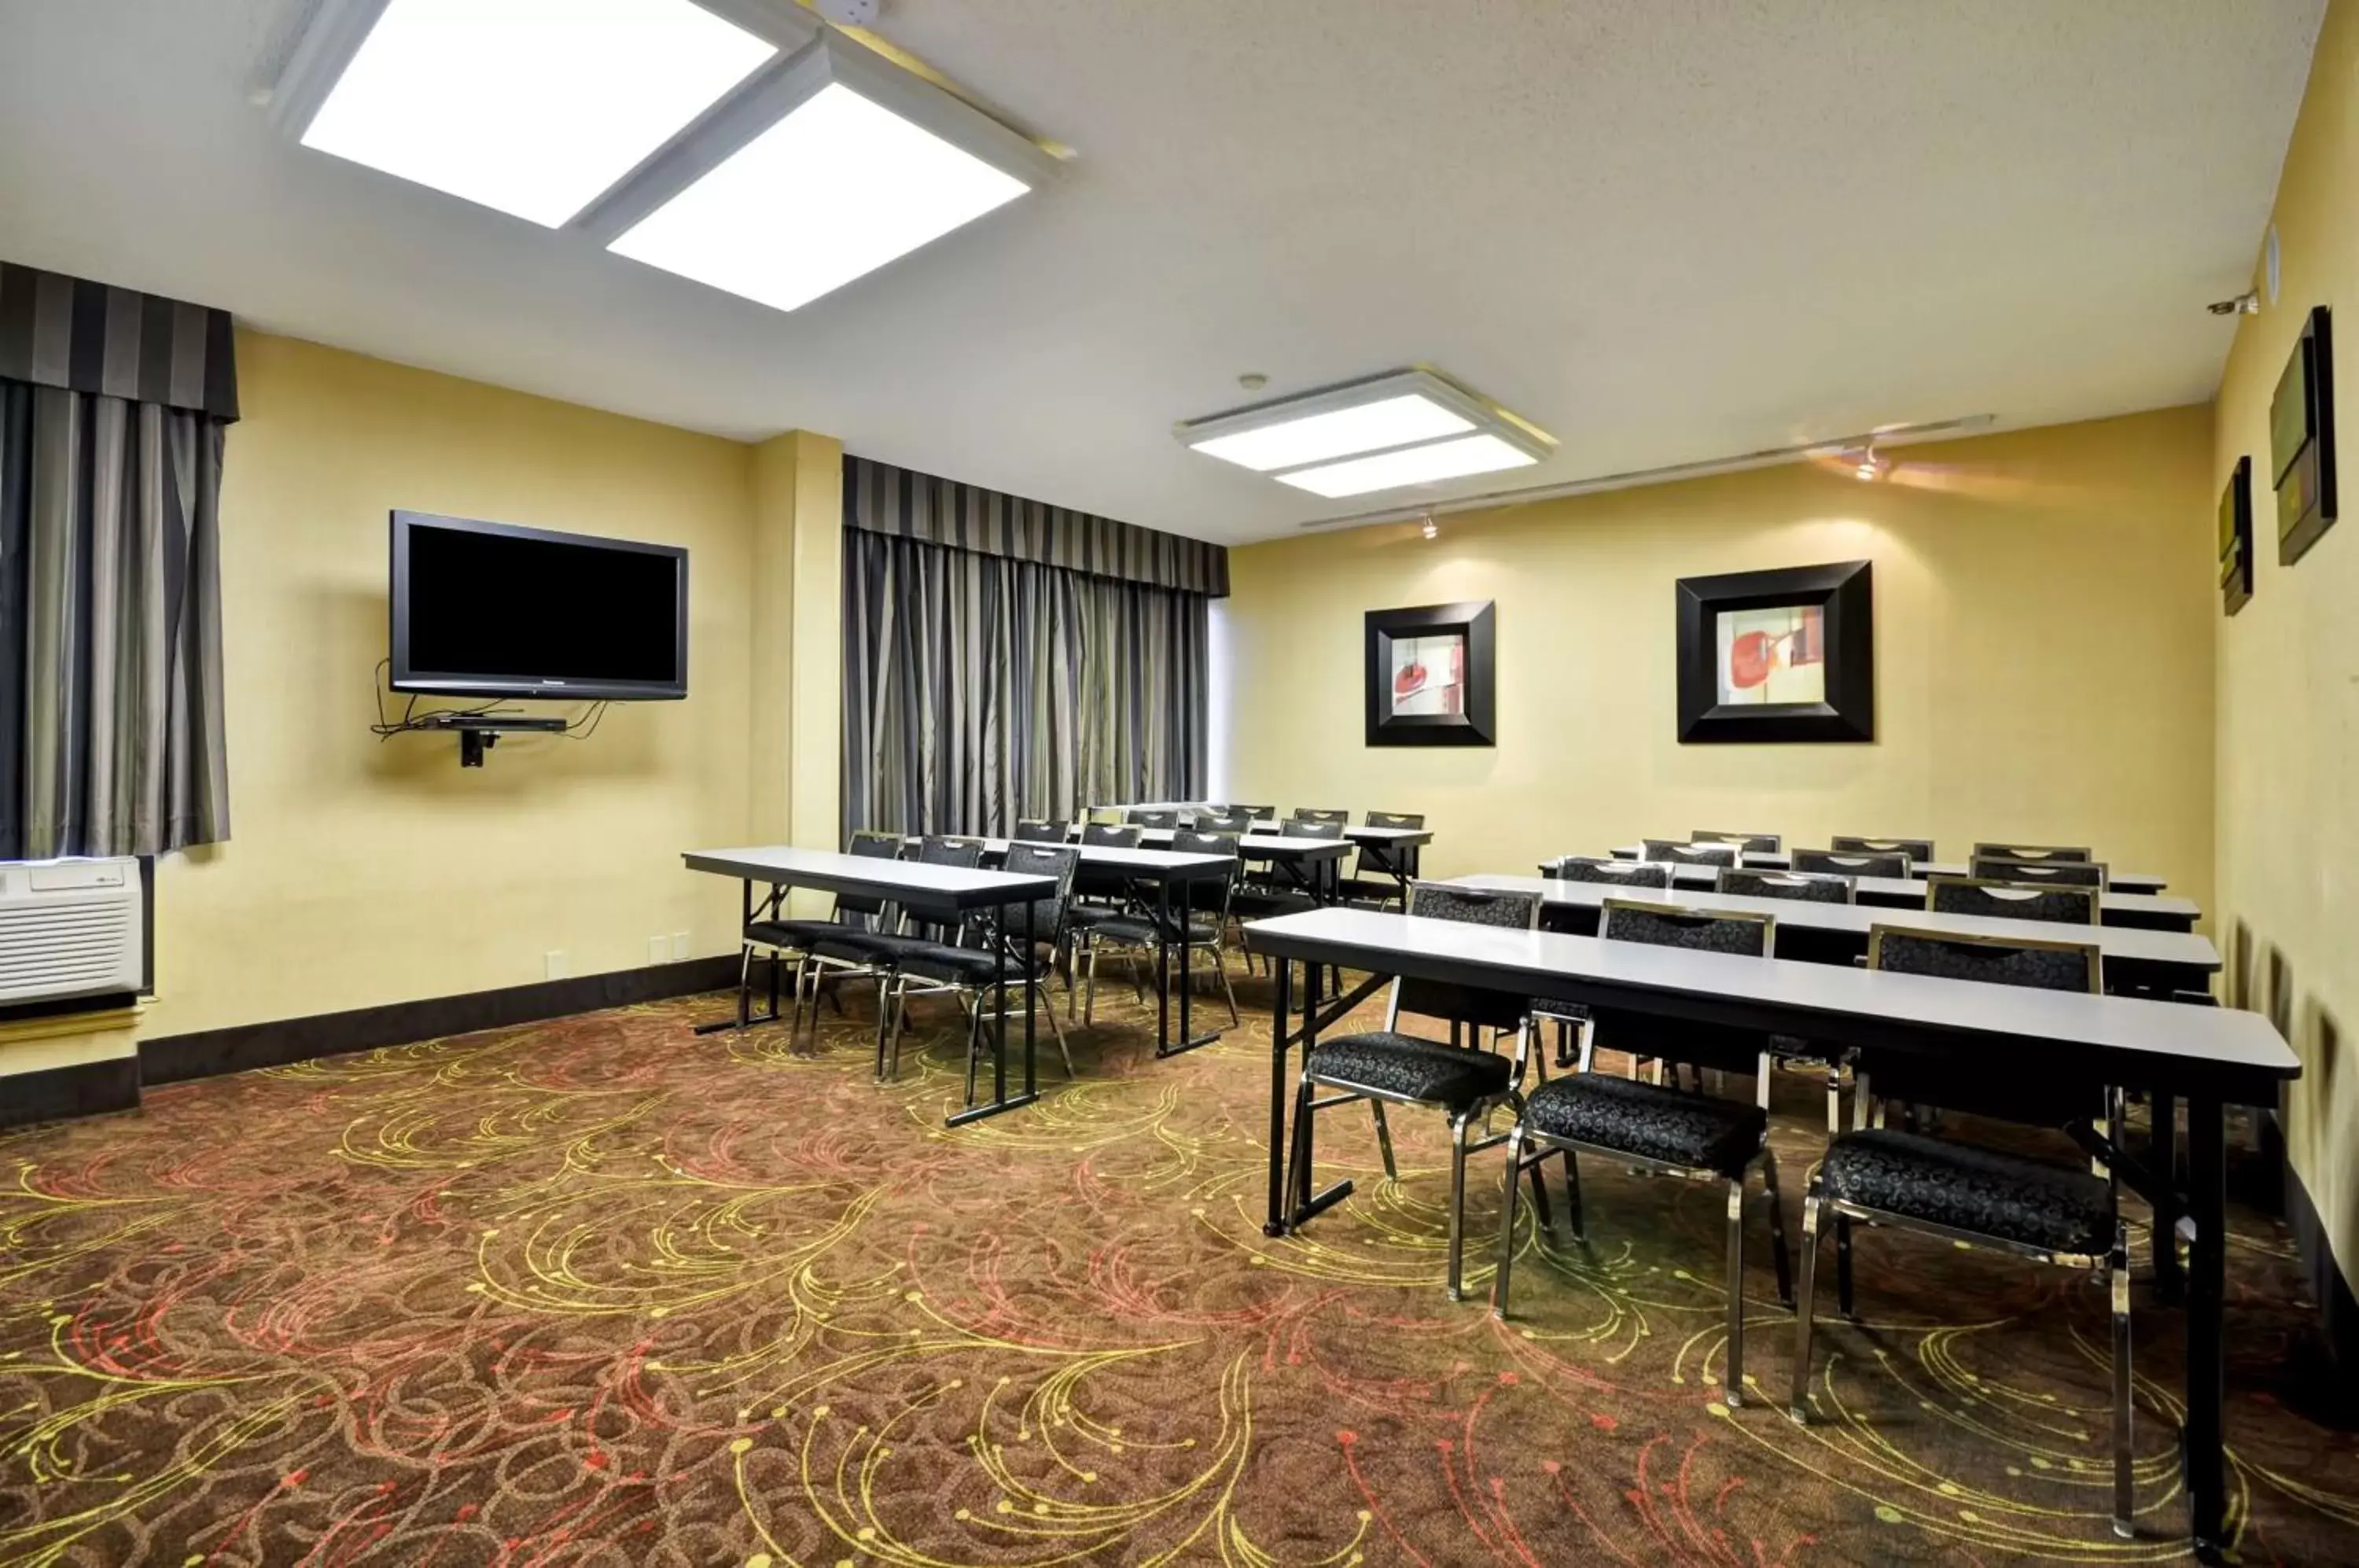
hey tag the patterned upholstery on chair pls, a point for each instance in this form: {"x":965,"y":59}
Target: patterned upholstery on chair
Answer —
{"x":2050,"y":966}
{"x":1699,"y":1131}
{"x":2064,"y":873}
{"x":1752,"y":844}
{"x":2029,"y":852}
{"x":1474,"y":906}
{"x":1411,"y":1069}
{"x":963,"y":851}
{"x":1805,"y":886}
{"x":1138,"y":931}
{"x":1612,"y":872}
{"x":1702,"y":931}
{"x":1673,"y":851}
{"x":968,"y":965}
{"x":1833,"y":863}
{"x":1038,"y":830}
{"x":1916,"y":849}
{"x":1047,"y":914}
{"x":2011,"y":901}
{"x":1971,"y":1189}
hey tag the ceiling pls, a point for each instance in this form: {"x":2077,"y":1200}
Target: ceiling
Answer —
{"x":1663,"y":230}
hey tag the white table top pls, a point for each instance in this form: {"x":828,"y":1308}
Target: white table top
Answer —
{"x":958,"y":886}
{"x":2127,"y":1039}
{"x":2118,"y":881}
{"x":2184,"y":948}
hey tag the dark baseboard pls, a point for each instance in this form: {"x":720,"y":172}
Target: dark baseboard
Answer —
{"x":58,"y":1094}
{"x":2335,"y":1382}
{"x":174,"y":1059}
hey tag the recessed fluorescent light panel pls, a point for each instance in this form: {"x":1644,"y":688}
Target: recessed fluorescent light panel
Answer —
{"x":1413,"y":427}
{"x":535,"y":107}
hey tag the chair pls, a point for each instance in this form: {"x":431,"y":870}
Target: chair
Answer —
{"x":1964,"y":1193}
{"x":1717,"y":1047}
{"x":1138,"y":932}
{"x":967,"y":965}
{"x":1918,"y":850}
{"x":1312,"y":827}
{"x":2035,"y":873}
{"x":1038,"y":830}
{"x":1834,"y":863}
{"x":2029,"y":852}
{"x":1696,"y":1136}
{"x":1808,"y":886}
{"x":1751,"y":843}
{"x":1316,"y":814}
{"x":2011,"y":901}
{"x":1387,"y":1067}
{"x":1154,"y":819}
{"x":848,"y":934}
{"x":1286,"y":887}
{"x":1612,"y":872}
{"x":1672,"y":852}
{"x":1223,"y":822}
{"x":1384,"y":871}
{"x":1259,"y":814}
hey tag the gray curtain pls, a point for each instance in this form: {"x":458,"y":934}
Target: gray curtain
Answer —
{"x":979,"y":689}
{"x":110,"y":733}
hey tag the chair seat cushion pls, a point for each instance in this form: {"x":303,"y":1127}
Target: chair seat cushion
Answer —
{"x":1967,"y":1187}
{"x":1402,"y":1064}
{"x":1255,"y":903}
{"x":1083,"y":916}
{"x":1367,"y":889}
{"x":869,"y":947}
{"x":1138,"y":931}
{"x":796,"y":934}
{"x":962,"y":965}
{"x":1701,"y":1132}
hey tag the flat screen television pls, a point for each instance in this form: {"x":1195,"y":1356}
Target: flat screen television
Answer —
{"x":493,"y":610}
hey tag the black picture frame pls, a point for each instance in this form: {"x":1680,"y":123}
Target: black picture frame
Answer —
{"x":2302,"y":440}
{"x":1472,"y":725}
{"x":2236,"y":538}
{"x":1843,"y":592}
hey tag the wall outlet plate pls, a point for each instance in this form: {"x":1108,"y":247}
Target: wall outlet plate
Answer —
{"x":679,"y":947}
{"x":658,"y":949}
{"x":555,"y":965}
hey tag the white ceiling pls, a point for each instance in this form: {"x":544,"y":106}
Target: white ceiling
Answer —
{"x":1664,"y":230}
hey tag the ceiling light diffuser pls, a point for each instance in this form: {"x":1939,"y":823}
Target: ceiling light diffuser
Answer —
{"x":535,"y":107}
{"x":1414,"y":465}
{"x":1315,"y":438}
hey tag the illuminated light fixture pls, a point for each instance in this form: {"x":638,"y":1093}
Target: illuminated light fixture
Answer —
{"x":1387,"y":432}
{"x":534,"y":108}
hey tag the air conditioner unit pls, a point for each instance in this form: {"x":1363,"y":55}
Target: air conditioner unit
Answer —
{"x":69,"y":928}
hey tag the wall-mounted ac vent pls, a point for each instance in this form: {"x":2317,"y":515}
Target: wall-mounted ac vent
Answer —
{"x":69,"y":928}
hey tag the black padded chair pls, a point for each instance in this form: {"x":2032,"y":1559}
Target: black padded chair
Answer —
{"x":1671,"y":852}
{"x":848,"y":934}
{"x":1804,"y":885}
{"x":1319,"y":814}
{"x":1918,"y":850}
{"x":1101,"y":894}
{"x":1199,"y":921}
{"x":1259,"y":814}
{"x":1842,"y":863}
{"x":1964,"y":1193}
{"x":1751,"y":843}
{"x":1154,"y":819}
{"x":1382,"y":877}
{"x":2031,"y":852}
{"x":1039,"y":830}
{"x":1223,"y":821}
{"x":2011,"y":901}
{"x":1386,"y":1066}
{"x":1614,"y":873}
{"x":2039,"y":873}
{"x":1699,"y":1137}
{"x":967,"y":963}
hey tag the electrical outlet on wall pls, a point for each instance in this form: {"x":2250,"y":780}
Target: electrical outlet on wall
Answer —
{"x":679,"y":947}
{"x":658,"y":949}
{"x":555,"y":964}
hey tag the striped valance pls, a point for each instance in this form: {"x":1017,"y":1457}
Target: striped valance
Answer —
{"x":883,"y":499}
{"x":57,"y":330}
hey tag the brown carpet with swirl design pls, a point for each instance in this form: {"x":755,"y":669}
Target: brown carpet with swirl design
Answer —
{"x":602,"y":1292}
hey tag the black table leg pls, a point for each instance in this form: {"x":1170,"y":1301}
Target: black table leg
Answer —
{"x":2206,"y":1359}
{"x":1162,"y":964}
{"x":1001,"y":1101}
{"x":2162,"y":1159}
{"x":1189,"y":1038}
{"x":1281,"y":1014}
{"x":743,"y":1018}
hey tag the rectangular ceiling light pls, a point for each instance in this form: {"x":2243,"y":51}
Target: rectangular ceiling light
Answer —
{"x":1412,"y":465}
{"x":535,"y":107}
{"x":843,"y":165}
{"x":1387,"y":432}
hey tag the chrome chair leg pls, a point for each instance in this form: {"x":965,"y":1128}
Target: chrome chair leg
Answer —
{"x":1776,"y":1207}
{"x":1383,"y":1138}
{"x":1799,"y":1408}
{"x":900,"y":1026}
{"x":1507,"y":1224}
{"x":1579,"y":1231}
{"x":1843,"y":1267}
{"x":1058,"y":1031}
{"x":1221,"y":963}
{"x":2118,"y":1279}
{"x":1458,"y":1199}
{"x":1733,"y":1380}
{"x":1089,"y":993}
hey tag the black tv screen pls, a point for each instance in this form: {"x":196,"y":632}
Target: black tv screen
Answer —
{"x":493,"y":610}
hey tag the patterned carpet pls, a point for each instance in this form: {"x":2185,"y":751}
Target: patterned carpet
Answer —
{"x":599,"y":1291}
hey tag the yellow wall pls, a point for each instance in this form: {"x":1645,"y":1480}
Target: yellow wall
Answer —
{"x":2043,"y":607}
{"x":363,"y":872}
{"x":2289,"y":664}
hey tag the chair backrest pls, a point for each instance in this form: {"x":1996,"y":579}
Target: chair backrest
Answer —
{"x":1259,"y":814}
{"x":1612,"y":872}
{"x":1391,"y":859}
{"x":875,"y":846}
{"x":1395,"y":820}
{"x":1039,"y":830}
{"x":1916,"y":849}
{"x":1747,"y":934}
{"x":1314,"y":827}
{"x":936,"y":850}
{"x":1047,"y":914}
{"x":2030,"y":852}
{"x":1837,"y":862}
{"x":1204,"y":840}
{"x":2011,"y":901}
{"x":1959,"y":1082}
{"x":1223,"y":822}
{"x":1155,"y":819}
{"x":1106,"y":835}
{"x":2036,"y":873}
{"x":1189,"y":896}
{"x":1752,"y":844}
{"x":1674,"y":852}
{"x":1319,"y":814}
{"x":1504,"y":908}
{"x":1804,"y":885}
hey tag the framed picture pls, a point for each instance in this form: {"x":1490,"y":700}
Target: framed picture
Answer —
{"x":1778,"y":656}
{"x":2236,"y":538}
{"x":1429,"y":675}
{"x":2302,"y":440}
